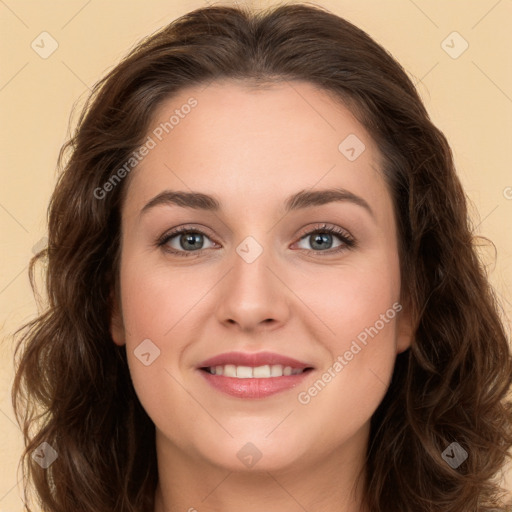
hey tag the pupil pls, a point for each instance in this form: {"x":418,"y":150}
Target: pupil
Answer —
{"x":319,"y":238}
{"x":190,"y":238}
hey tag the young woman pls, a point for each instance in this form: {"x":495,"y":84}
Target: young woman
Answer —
{"x":263,"y":290}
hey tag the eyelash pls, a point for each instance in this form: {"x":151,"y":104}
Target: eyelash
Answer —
{"x":348,"y":241}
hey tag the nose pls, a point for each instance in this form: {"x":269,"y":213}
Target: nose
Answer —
{"x":253,"y":295}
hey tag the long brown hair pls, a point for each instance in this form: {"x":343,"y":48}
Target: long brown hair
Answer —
{"x":72,"y":387}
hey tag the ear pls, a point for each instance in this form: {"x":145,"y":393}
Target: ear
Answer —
{"x":116,"y":321}
{"x":404,"y":329}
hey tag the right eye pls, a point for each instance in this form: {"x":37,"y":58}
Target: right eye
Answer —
{"x":188,"y":241}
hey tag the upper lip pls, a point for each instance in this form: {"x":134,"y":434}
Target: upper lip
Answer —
{"x":254,"y":359}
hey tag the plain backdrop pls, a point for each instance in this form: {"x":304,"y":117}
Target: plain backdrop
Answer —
{"x":465,"y":80}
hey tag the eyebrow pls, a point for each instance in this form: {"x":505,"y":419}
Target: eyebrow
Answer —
{"x":301,"y":200}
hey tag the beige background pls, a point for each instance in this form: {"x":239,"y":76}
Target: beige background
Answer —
{"x":468,"y":97}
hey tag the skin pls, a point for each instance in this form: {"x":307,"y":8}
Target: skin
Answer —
{"x":252,"y":149}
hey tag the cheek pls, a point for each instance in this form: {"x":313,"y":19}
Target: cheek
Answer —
{"x":159,"y":308}
{"x":358,"y":308}
{"x":352,"y":298}
{"x":350,"y":387}
{"x":155,"y":298}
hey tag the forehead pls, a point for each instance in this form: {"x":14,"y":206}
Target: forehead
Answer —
{"x":255,"y":144}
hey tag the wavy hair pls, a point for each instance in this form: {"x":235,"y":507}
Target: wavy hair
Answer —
{"x":72,"y":386}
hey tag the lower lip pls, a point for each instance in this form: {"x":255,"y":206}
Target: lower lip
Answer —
{"x":253,"y":388}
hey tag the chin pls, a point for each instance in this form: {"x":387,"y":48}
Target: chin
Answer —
{"x":254,"y":454}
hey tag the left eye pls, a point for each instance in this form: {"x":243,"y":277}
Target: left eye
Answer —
{"x":323,"y":240}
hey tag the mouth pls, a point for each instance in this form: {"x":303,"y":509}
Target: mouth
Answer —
{"x":257,"y":375}
{"x":259,"y":372}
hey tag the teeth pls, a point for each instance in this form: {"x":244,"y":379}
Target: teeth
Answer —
{"x":259,"y":372}
{"x":244,"y":372}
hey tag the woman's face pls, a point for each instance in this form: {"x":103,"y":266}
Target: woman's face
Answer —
{"x":248,"y":276}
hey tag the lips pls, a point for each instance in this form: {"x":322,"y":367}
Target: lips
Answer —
{"x":255,"y":359}
{"x":273,"y":373}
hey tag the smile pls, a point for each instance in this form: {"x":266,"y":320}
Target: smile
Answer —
{"x":258,"y":372}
